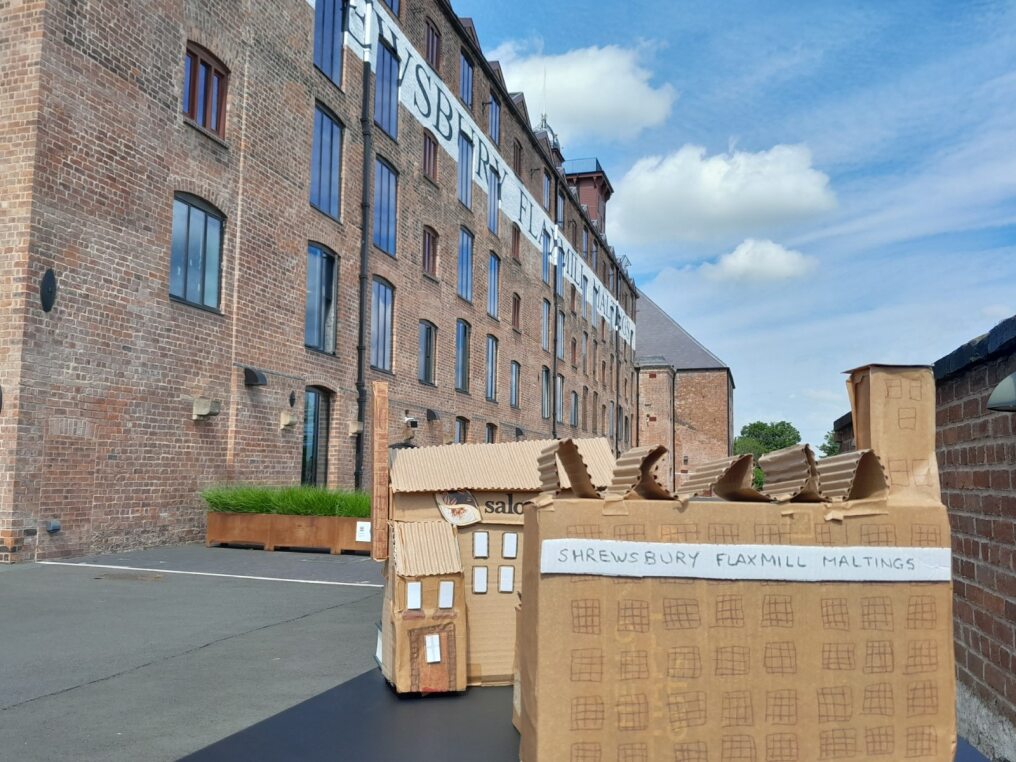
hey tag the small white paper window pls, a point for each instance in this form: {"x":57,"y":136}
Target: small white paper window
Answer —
{"x":479,"y":579}
{"x":480,"y":545}
{"x":363,"y":531}
{"x":506,"y":579}
{"x":446,"y":594}
{"x":414,"y":594}
{"x":510,"y":545}
{"x":432,"y":643}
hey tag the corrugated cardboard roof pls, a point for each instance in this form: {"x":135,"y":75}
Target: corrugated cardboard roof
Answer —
{"x":790,"y":473}
{"x":507,"y":466}
{"x":661,"y":337}
{"x":425,"y":548}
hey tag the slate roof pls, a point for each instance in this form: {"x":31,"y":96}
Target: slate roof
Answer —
{"x":661,"y":341}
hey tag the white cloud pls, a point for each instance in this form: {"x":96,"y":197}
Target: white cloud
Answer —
{"x":689,"y":196}
{"x":755,"y":261}
{"x":596,"y":93}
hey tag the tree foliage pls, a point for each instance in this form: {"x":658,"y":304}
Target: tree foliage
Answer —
{"x":829,"y":445}
{"x":760,"y":437}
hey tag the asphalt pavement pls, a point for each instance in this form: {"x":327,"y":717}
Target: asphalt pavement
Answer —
{"x":220,"y":654}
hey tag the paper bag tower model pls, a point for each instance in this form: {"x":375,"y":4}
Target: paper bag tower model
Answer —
{"x":453,"y":565}
{"x":809,"y":622}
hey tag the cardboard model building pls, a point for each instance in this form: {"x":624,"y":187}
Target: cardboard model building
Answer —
{"x":454,"y":560}
{"x":811,"y":622}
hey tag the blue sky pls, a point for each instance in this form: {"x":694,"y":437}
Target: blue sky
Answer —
{"x":806,"y":187}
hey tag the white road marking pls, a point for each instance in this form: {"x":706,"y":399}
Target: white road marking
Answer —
{"x":210,"y":574}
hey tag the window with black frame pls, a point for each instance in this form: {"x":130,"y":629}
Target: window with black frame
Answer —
{"x":326,"y":162}
{"x":316,"y":422}
{"x":428,"y":346}
{"x":381,"y":324}
{"x":329,"y":24}
{"x":319,"y":317}
{"x":196,"y":251}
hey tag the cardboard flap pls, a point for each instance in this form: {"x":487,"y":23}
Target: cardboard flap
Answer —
{"x":791,"y":475}
{"x":570,"y":459}
{"x":546,"y":464}
{"x":854,"y":475}
{"x":728,"y":478}
{"x":635,"y":474}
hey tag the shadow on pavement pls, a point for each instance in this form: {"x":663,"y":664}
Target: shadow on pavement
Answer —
{"x":363,"y":719}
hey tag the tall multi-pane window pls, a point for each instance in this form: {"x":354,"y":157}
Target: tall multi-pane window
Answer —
{"x":491,"y":374}
{"x":386,"y":186}
{"x":382,"y":307}
{"x":433,"y":46}
{"x":558,"y":276}
{"x":546,"y":257}
{"x":466,"y":79}
{"x":494,"y":285}
{"x":462,"y":335}
{"x":574,"y":353}
{"x":585,"y":351}
{"x":596,"y":252}
{"x":595,"y":415}
{"x":546,"y":190}
{"x":461,"y":429}
{"x":490,"y":435}
{"x":464,"y":286}
{"x":319,"y":316}
{"x":196,"y":253}
{"x":205,"y":79}
{"x":610,"y":421}
{"x":465,"y":178}
{"x":386,"y":90}
{"x":545,"y":326}
{"x":393,"y":6}
{"x":559,"y":398}
{"x":516,"y":312}
{"x":545,"y":392}
{"x":516,"y":243}
{"x":573,"y":409}
{"x":329,"y":22}
{"x":326,"y":162}
{"x":429,"y":156}
{"x":316,"y":422}
{"x":517,"y":158}
{"x":493,"y":200}
{"x":585,"y":243}
{"x":559,"y":211}
{"x":585,"y":295}
{"x":429,"y":254}
{"x":513,"y":384}
{"x":494,"y":120}
{"x":585,"y":406}
{"x":559,"y":342}
{"x":428,"y":348}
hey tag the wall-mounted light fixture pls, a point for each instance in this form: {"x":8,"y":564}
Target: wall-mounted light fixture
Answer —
{"x":254,"y":377}
{"x":1003,"y":398}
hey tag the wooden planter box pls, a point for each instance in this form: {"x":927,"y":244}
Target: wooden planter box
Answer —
{"x":335,"y":534}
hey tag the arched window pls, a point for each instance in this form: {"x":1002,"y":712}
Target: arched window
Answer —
{"x":196,"y":254}
{"x":319,"y":314}
{"x":429,"y":257}
{"x":317,"y":409}
{"x":516,"y":312}
{"x":205,"y":80}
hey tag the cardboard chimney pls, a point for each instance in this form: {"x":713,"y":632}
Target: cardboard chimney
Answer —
{"x":811,"y":624}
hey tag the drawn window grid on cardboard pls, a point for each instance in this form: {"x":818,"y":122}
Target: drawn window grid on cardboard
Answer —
{"x":694,"y":751}
{"x":738,"y":748}
{"x":922,"y":741}
{"x":781,"y":706}
{"x":684,"y":662}
{"x":878,"y":700}
{"x":736,"y":709}
{"x":686,"y":709}
{"x":838,"y":743}
{"x":782,"y":747}
{"x":633,"y":665}
{"x":922,"y":657}
{"x":633,"y":712}
{"x":880,"y":741}
{"x":633,"y":752}
{"x":586,"y":752}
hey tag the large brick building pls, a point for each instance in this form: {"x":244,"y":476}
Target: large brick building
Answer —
{"x":221,"y":221}
{"x":686,"y":393}
{"x":976,"y":450}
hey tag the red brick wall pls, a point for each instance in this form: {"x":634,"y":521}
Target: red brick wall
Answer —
{"x":20,"y":51}
{"x":977,"y":462}
{"x":702,"y":412}
{"x":656,"y":416}
{"x":102,"y":406}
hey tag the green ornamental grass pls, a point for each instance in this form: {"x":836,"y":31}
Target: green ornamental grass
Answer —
{"x":293,"y":501}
